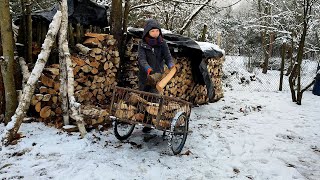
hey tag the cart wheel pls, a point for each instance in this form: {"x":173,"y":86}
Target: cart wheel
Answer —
{"x":122,"y":130}
{"x":178,"y":132}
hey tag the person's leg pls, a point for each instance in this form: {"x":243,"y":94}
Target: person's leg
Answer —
{"x":146,"y":114}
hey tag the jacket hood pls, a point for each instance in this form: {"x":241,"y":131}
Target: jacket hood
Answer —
{"x":151,"y":24}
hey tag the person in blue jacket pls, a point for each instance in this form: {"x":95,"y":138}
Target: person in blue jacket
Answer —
{"x":153,"y":53}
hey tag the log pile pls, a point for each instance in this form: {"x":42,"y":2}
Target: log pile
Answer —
{"x":199,"y":95}
{"x":95,"y":70}
{"x":182,"y":84}
{"x":130,"y":67}
{"x":215,"y":70}
{"x":45,"y":103}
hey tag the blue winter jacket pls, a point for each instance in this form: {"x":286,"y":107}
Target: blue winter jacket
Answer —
{"x":152,"y":56}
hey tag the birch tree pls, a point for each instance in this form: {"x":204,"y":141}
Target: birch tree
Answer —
{"x":66,"y":69}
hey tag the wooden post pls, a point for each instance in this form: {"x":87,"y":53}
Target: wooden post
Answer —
{"x":29,"y":31}
{"x":82,"y":31}
{"x":44,"y":31}
{"x":283,"y":54}
{"x":204,"y":32}
{"x":23,"y":28}
{"x":219,"y":39}
{"x":71,"y":35}
{"x":39,"y":33}
{"x":78,"y":33}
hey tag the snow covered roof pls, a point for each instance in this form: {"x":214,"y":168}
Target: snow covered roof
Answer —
{"x":206,"y":46}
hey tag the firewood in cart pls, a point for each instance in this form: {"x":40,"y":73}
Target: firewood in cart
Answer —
{"x":138,"y":117}
{"x":162,"y":123}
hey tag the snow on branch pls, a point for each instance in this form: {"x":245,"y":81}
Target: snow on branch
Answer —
{"x":192,"y":16}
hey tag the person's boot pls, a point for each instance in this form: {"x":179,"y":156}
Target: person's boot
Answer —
{"x":146,"y":129}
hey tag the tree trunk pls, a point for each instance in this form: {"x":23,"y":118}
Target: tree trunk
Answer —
{"x":12,"y":128}
{"x":2,"y":98}
{"x":306,"y":15}
{"x":116,"y":20}
{"x":265,"y":52}
{"x":22,"y":30}
{"x":283,"y":55}
{"x":7,"y":64}
{"x":66,"y":65}
{"x":126,"y":15}
{"x":63,"y":68}
{"x":29,"y":31}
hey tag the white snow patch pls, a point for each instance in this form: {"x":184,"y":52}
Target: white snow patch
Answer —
{"x":206,"y":46}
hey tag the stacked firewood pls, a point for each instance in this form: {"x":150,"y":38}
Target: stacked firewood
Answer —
{"x":182,"y":83}
{"x":45,"y":103}
{"x":130,"y":67}
{"x":95,"y":73}
{"x":95,"y":70}
{"x":199,"y":95}
{"x":139,"y":107}
{"x":215,"y":70}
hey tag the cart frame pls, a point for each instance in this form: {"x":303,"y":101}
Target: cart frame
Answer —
{"x":179,"y":123}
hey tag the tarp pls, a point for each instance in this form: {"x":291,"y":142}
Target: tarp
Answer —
{"x":197,"y":52}
{"x":84,"y":12}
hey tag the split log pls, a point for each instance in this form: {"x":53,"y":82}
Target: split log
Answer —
{"x":83,"y":49}
{"x":45,"y":112}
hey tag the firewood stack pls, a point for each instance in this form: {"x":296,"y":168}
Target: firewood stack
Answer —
{"x":215,"y":70}
{"x":130,"y":67}
{"x":199,"y":95}
{"x":45,"y":103}
{"x":182,"y":83}
{"x":95,"y":70}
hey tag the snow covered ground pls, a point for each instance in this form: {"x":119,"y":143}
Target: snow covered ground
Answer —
{"x":246,"y":135}
{"x":238,"y":77}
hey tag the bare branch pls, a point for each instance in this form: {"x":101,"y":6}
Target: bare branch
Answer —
{"x":144,"y":5}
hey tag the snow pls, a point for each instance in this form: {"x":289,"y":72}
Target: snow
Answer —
{"x":164,"y":31}
{"x":246,"y":135}
{"x":206,"y":46}
{"x":235,"y":69}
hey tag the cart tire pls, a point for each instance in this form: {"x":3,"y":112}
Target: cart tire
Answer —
{"x":122,"y":130}
{"x":178,"y":132}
